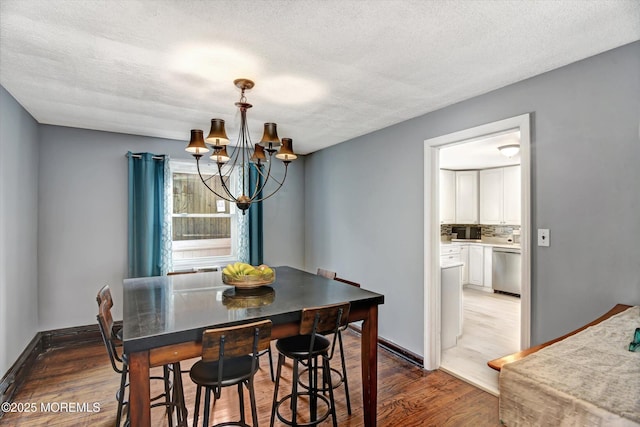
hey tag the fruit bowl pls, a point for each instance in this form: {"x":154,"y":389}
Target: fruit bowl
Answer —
{"x":245,"y":276}
{"x":247,"y":282}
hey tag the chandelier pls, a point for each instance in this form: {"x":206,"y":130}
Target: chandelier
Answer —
{"x":244,"y":155}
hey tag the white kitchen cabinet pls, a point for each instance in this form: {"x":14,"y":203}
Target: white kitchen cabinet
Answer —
{"x":447,"y":196}
{"x":451,"y":307}
{"x":476,"y":265}
{"x":464,"y":257}
{"x":512,"y":190}
{"x":491,"y":196}
{"x":500,"y":196}
{"x":449,"y":253}
{"x":466,"y":197}
{"x":488,"y":267}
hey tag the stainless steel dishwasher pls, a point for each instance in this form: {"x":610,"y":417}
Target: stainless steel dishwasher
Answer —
{"x":507,"y":265}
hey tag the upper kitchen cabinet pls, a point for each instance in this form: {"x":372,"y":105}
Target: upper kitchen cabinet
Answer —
{"x":500,"y":196}
{"x":447,"y":197}
{"x":512,"y":193}
{"x":492,"y":196}
{"x":466,"y":197}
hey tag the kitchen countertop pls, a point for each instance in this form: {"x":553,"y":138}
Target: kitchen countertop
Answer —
{"x":451,"y":264}
{"x":482,"y":242}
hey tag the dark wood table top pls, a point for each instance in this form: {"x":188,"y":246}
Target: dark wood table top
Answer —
{"x":166,"y":310}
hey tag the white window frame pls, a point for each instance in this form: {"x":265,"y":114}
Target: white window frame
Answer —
{"x":207,"y":168}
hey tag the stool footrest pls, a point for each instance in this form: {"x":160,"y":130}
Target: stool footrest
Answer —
{"x":319,"y":419}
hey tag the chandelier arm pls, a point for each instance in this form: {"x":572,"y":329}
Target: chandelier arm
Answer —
{"x":207,"y":185}
{"x":224,"y":184}
{"x":265,"y":178}
{"x":286,"y":168}
{"x":269,"y":176}
{"x":258,"y":188}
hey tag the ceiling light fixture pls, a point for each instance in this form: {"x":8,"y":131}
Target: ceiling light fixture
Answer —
{"x":509,"y":150}
{"x":243,"y":155}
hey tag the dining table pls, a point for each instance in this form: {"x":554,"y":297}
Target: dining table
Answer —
{"x":164,"y":318}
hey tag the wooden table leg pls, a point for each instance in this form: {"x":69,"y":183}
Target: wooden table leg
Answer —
{"x":369,"y":355}
{"x":139,"y":389}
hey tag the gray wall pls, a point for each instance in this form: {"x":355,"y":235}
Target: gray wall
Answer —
{"x":283,"y":217}
{"x":364,"y":198}
{"x":83,"y":219}
{"x":18,"y":229}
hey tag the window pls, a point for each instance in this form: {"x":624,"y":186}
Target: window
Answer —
{"x":204,"y":226}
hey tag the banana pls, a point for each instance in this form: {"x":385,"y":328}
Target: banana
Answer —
{"x":240,"y":269}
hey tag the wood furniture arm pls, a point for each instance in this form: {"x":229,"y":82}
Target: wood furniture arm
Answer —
{"x":498,"y":363}
{"x":139,"y":397}
{"x":369,"y":366}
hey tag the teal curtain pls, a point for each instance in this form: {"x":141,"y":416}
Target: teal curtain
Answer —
{"x":255,"y":221}
{"x":148,"y":228}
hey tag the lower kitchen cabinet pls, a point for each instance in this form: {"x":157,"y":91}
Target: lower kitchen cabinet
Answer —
{"x":488,"y":268}
{"x":476,"y":265}
{"x":464,"y":257}
{"x":449,"y":253}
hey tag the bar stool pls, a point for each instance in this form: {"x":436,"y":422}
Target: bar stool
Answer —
{"x":342,"y":379}
{"x":229,"y":357}
{"x":306,"y":348}
{"x":173,"y":396}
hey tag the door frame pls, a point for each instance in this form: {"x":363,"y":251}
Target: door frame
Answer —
{"x":432,"y":296}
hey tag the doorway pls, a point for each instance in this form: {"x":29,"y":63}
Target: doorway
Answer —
{"x":432,"y":237}
{"x":489,"y":304}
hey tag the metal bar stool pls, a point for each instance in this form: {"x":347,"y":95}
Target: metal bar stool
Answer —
{"x":173,"y":396}
{"x":230,"y":357}
{"x":306,"y":348}
{"x":342,"y":378}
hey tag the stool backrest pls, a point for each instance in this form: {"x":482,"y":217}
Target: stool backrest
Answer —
{"x":105,"y":319}
{"x":328,"y":319}
{"x":104,"y":294}
{"x":105,"y":323}
{"x":225,"y":344}
{"x":235,"y":341}
{"x":325,"y":319}
{"x":326,"y":273}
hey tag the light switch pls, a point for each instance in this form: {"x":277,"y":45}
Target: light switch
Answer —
{"x":543,"y":237}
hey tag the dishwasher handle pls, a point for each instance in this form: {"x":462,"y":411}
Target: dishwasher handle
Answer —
{"x":507,"y":250}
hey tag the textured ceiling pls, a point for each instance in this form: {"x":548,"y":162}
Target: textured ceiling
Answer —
{"x":325,"y":71}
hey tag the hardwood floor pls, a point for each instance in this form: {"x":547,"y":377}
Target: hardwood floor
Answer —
{"x":407,"y":395}
{"x":491,"y":329}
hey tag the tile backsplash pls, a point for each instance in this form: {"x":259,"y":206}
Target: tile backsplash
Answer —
{"x":504,"y":231}
{"x":499,"y":230}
